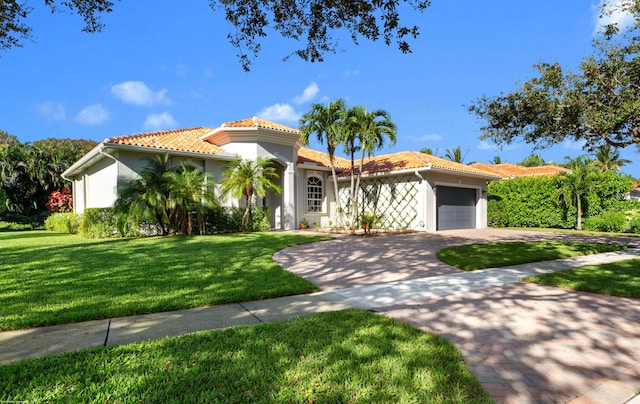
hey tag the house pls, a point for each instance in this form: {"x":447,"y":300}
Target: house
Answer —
{"x":407,"y":190}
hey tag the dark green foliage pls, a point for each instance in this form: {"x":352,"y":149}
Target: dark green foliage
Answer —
{"x":30,"y":172}
{"x":608,"y":221}
{"x":99,"y":223}
{"x":35,"y":221}
{"x":103,"y":222}
{"x":539,"y":201}
{"x":526,"y":202}
{"x":66,"y":222}
{"x":634,"y":226}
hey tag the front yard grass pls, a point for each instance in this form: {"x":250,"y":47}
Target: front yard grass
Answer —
{"x":48,"y":278}
{"x":499,"y":254}
{"x":621,"y":279}
{"x":346,"y":356}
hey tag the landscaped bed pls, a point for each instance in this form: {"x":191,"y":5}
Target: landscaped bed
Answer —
{"x":499,"y":254}
{"x":347,"y":356}
{"x":49,"y":278}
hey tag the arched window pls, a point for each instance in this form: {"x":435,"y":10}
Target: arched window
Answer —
{"x":314,"y":194}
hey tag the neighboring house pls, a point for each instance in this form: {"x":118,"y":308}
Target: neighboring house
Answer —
{"x":634,"y":194}
{"x":508,"y":170}
{"x":408,"y":190}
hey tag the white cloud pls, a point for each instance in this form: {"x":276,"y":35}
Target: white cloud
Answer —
{"x":308,"y":94}
{"x":279,"y":112}
{"x":351,"y":73}
{"x":93,"y":115}
{"x":137,"y":93}
{"x":52,"y":110}
{"x":160,"y":121}
{"x":431,"y":137}
{"x":618,"y":16}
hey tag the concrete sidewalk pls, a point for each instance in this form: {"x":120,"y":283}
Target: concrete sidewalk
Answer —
{"x":404,"y":300}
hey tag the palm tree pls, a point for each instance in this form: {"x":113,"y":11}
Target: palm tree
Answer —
{"x":372,"y":128}
{"x":455,"y":154}
{"x":244,"y":178}
{"x":609,"y":159}
{"x":429,"y":151}
{"x":326,"y":123}
{"x":533,"y":160}
{"x":496,"y":160}
{"x":578,"y":184}
{"x":146,"y":198}
{"x":189,"y":192}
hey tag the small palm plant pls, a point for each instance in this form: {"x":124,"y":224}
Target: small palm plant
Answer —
{"x":244,"y":178}
{"x":189,"y":193}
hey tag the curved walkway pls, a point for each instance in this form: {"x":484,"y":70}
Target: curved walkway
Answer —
{"x":526,"y":343}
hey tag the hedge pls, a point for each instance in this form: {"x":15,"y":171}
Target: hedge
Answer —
{"x":102,"y":223}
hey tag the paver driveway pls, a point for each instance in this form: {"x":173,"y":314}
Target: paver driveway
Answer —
{"x":526,"y":343}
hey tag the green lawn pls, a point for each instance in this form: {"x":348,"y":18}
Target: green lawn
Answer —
{"x":48,"y":278}
{"x":620,"y":279}
{"x":479,"y":256}
{"x":338,"y":357}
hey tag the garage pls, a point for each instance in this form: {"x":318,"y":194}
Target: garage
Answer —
{"x":455,"y":208}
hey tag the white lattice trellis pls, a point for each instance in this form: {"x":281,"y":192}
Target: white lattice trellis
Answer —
{"x":393,"y":199}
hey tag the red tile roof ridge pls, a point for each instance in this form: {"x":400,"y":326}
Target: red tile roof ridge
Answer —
{"x":256,"y":122}
{"x":115,"y":139}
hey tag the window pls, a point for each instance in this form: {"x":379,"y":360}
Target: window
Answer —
{"x":314,"y":194}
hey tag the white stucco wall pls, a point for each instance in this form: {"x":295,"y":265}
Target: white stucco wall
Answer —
{"x":100,"y":184}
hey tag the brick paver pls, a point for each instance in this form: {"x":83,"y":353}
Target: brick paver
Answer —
{"x":526,"y":343}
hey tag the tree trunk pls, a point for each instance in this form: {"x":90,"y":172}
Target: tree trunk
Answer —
{"x":579,"y":213}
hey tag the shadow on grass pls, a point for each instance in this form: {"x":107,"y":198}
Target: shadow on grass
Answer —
{"x":347,"y":356}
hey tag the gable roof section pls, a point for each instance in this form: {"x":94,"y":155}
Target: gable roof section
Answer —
{"x":508,"y":170}
{"x":184,"y":140}
{"x":415,"y":160}
{"x":306,"y":155}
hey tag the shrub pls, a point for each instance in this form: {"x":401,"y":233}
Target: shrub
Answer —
{"x":634,"y":226}
{"x":99,"y":223}
{"x":229,"y":220}
{"x":35,"y":221}
{"x":67,"y":222}
{"x":60,"y":201}
{"x":261,"y":219}
{"x":608,"y":221}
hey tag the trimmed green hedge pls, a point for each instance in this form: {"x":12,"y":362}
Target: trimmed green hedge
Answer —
{"x":538,"y":202}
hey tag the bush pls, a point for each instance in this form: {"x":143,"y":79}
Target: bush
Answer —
{"x":60,"y":201}
{"x":35,"y":221}
{"x":526,"y":202}
{"x":634,"y":226}
{"x":229,"y":220}
{"x":99,"y":223}
{"x":63,"y":223}
{"x":608,"y":221}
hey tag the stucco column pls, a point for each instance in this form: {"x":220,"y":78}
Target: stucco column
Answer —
{"x":289,"y":197}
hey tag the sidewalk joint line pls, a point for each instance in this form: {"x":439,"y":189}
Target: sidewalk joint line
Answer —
{"x":106,"y":337}
{"x":250,"y":312}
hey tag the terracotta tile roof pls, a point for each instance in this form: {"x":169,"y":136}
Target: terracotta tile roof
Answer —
{"x":413,"y":160}
{"x":508,"y":170}
{"x":187,"y":140}
{"x":306,"y":155}
{"x":258,"y":123}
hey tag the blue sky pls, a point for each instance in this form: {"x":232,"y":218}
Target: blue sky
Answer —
{"x":158,"y":67}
